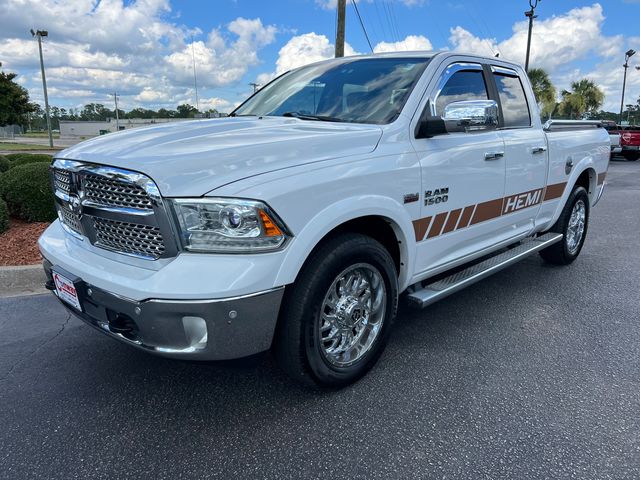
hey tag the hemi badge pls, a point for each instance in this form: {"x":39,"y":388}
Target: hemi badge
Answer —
{"x":411,"y":197}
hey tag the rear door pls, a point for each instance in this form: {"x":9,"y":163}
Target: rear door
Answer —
{"x":462,"y":179}
{"x":525,"y":151}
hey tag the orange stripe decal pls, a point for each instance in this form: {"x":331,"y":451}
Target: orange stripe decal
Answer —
{"x":554,"y":191}
{"x":420,"y":227}
{"x":466,"y":217}
{"x":459,"y":218}
{"x":438,"y":222}
{"x":487,"y":210}
{"x":452,"y":220}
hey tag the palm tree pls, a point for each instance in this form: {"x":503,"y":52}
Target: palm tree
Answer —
{"x":585,"y":97}
{"x":544,"y":90}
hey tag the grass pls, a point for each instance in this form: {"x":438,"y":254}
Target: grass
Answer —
{"x":38,"y":135}
{"x":18,"y":147}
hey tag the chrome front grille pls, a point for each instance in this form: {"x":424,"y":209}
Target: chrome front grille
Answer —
{"x":115,"y":193}
{"x":112,"y":208}
{"x":70,"y":219}
{"x":61,"y":180}
{"x":129,"y":237}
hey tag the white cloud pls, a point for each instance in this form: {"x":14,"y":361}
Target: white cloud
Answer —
{"x":305,"y":49}
{"x":219,"y":63}
{"x":131,"y":47}
{"x":555,"y":42}
{"x":412,"y":42}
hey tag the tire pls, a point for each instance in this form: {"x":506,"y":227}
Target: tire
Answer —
{"x":568,"y":249}
{"x":317,"y":313}
{"x":631,"y":156}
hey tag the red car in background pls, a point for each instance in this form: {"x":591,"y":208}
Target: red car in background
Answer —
{"x":630,"y":142}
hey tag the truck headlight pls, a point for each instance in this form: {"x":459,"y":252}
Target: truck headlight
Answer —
{"x":224,"y":225}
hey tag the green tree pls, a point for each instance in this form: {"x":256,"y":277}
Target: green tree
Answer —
{"x":186,"y":111}
{"x":14,"y":101}
{"x":585,"y":97}
{"x":544,"y":91}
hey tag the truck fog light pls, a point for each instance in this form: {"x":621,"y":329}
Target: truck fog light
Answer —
{"x":195,"y":329}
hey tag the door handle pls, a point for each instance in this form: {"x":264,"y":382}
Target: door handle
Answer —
{"x":493,"y":155}
{"x":535,"y":150}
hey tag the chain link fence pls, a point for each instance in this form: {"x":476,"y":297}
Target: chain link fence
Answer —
{"x":10,"y":131}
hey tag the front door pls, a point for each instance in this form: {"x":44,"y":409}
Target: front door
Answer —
{"x":463,"y":178}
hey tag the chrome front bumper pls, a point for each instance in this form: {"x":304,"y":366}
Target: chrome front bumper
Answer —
{"x":218,"y":329}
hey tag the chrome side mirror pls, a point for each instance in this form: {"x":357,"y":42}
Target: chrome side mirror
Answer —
{"x":471,"y":116}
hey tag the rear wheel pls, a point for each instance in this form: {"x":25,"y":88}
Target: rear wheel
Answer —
{"x":573,"y":224}
{"x":337,"y":316}
{"x":631,"y":156}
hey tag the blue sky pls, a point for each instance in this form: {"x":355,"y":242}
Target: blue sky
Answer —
{"x":143,"y":49}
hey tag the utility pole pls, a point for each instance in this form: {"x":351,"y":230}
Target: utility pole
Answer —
{"x":255,"y":86}
{"x":629,"y":53}
{"x":530,"y":15}
{"x":342,"y":12}
{"x":39,"y":34}
{"x":195,"y":78}
{"x":115,"y":99}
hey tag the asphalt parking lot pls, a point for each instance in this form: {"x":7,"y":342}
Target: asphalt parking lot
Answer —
{"x":533,"y":373}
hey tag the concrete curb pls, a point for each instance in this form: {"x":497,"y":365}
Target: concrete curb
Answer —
{"x":22,"y":280}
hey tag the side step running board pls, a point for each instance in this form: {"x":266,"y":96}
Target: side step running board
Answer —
{"x":442,"y":288}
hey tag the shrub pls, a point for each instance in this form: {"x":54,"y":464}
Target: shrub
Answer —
{"x":26,"y":158}
{"x":5,"y":164}
{"x":27,"y":191}
{"x":14,"y":156}
{"x":4,"y":216}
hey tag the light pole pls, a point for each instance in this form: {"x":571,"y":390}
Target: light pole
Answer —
{"x":39,"y":34}
{"x":630,"y":53}
{"x":530,"y":15}
{"x":115,"y":99}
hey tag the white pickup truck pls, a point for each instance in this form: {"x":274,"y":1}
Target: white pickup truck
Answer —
{"x":296,"y":223}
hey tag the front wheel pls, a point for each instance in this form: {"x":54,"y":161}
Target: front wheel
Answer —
{"x":338,"y":314}
{"x":573,"y":224}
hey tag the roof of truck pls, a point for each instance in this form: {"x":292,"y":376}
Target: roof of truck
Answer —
{"x":424,"y":54}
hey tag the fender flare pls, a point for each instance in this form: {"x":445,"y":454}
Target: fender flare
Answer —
{"x":340,"y":212}
{"x":585,"y":164}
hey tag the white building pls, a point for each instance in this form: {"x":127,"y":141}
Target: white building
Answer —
{"x":84,"y":129}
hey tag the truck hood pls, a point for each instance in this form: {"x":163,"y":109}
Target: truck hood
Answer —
{"x":192,"y":158}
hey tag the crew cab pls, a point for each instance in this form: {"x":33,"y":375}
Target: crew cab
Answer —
{"x":296,"y":223}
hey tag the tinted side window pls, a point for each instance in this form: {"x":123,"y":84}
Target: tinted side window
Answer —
{"x":514,"y":102}
{"x":463,"y":85}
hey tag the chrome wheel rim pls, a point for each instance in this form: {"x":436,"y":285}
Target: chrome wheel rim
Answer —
{"x":352,"y":314}
{"x":575,"y":229}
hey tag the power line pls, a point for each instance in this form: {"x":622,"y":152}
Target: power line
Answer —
{"x":384,"y":32}
{"x":362,"y":24}
{"x":392,"y":9}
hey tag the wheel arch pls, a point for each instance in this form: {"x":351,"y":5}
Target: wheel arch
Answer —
{"x":383,"y":219}
{"x":588,"y":179}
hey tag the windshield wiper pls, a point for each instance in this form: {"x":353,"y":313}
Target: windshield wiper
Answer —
{"x":242,"y":115}
{"x":307,"y":116}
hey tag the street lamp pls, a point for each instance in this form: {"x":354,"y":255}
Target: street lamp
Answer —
{"x":629,"y":53}
{"x":530,"y":15}
{"x":39,"y":34}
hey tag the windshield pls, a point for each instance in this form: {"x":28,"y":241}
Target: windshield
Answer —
{"x":368,"y":90}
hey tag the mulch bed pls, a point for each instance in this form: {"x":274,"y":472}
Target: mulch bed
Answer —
{"x":18,"y":245}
